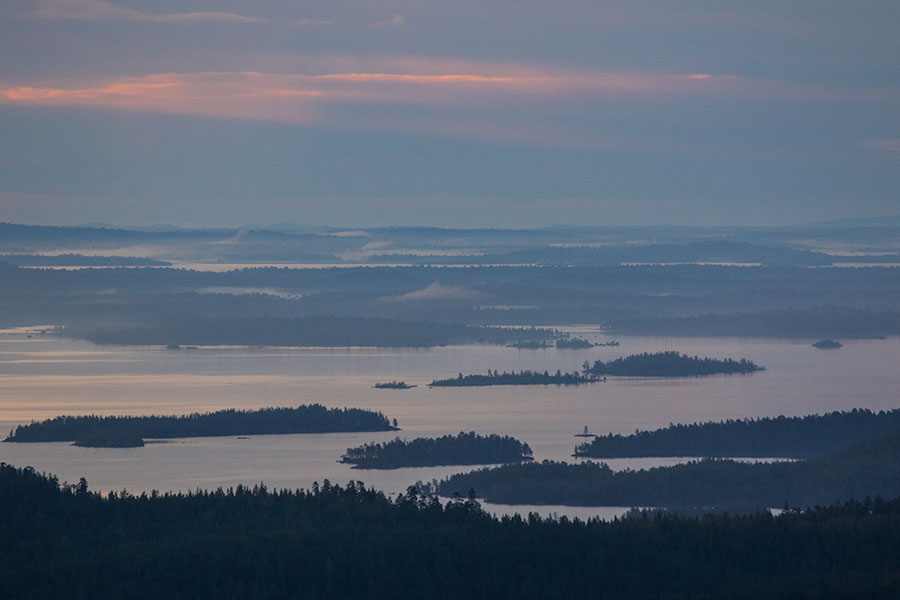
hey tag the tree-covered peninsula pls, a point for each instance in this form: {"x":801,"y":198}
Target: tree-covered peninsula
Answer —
{"x":668,"y":364}
{"x":525,"y":377}
{"x":353,"y":542}
{"x":313,"y":418}
{"x":461,"y":449}
{"x":867,"y":469}
{"x":785,"y":437}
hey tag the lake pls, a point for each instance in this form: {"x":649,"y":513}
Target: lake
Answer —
{"x":43,"y":376}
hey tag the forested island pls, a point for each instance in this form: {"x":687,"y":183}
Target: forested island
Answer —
{"x":109,"y":439}
{"x":313,"y":418}
{"x":667,"y":364}
{"x":827,"y":344}
{"x":352,"y":542}
{"x":461,"y":449}
{"x":867,"y":469}
{"x":525,"y":377}
{"x":393,"y":385}
{"x":530,"y":345}
{"x":785,"y":437}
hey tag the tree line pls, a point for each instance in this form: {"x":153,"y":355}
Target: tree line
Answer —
{"x":785,"y":437}
{"x":461,"y":449}
{"x":312,"y":418}
{"x":524,"y":377}
{"x":668,"y":364}
{"x":248,"y":543}
{"x":866,"y":469}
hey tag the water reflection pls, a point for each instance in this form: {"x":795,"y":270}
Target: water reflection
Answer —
{"x":43,"y":377}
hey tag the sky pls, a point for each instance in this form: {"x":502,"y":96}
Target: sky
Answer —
{"x":456,"y":114}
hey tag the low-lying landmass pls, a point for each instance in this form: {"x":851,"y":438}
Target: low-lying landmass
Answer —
{"x":530,"y":345}
{"x":353,"y":542}
{"x":462,"y":449}
{"x":525,"y":377}
{"x":313,"y":418}
{"x":109,"y":439}
{"x":785,"y":437}
{"x":827,"y":344}
{"x":868,"y":469}
{"x":328,"y":331}
{"x":668,"y":364}
{"x":816,"y":322}
{"x":393,"y":385}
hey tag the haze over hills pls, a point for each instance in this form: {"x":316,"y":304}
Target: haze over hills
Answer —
{"x":804,"y":245}
{"x":654,"y":280}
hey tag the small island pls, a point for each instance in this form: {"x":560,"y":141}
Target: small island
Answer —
{"x":827,"y":344}
{"x":573,"y":344}
{"x":521,"y":378}
{"x":462,"y":449}
{"x":393,"y":385}
{"x":92,"y":430}
{"x":530,"y":345}
{"x":668,"y":364}
{"x":110,"y":439}
{"x":609,"y":344}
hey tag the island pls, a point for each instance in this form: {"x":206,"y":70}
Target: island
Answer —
{"x":530,"y":345}
{"x":525,"y":377}
{"x":461,"y":449}
{"x":609,"y":344}
{"x":668,"y":364}
{"x":393,"y":385}
{"x":785,"y":437}
{"x":573,"y":344}
{"x":827,"y":344}
{"x":313,"y":418}
{"x":868,"y":469}
{"x":109,"y":439}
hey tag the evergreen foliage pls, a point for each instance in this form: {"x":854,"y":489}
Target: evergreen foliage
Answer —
{"x":784,"y":437}
{"x":573,"y":344}
{"x":525,"y":377}
{"x":668,"y":364}
{"x":351,"y":542}
{"x":867,"y":469}
{"x":461,"y":449}
{"x":313,"y":418}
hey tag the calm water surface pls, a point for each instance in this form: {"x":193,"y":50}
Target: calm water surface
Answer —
{"x":45,"y":376}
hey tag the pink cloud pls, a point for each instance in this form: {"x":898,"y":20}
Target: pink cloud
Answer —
{"x":448,"y":88}
{"x":223,"y":95}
